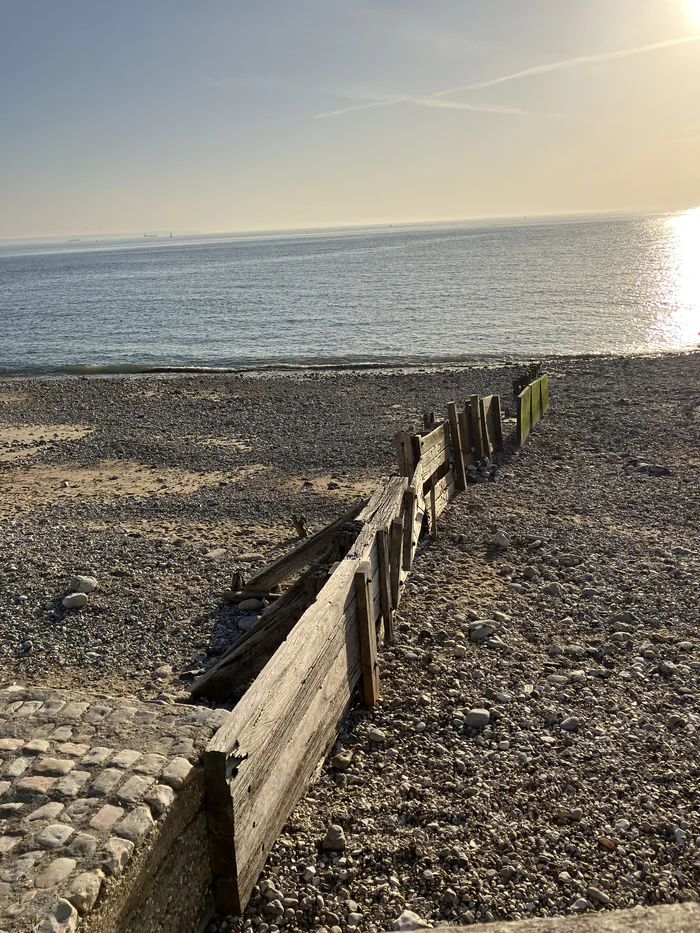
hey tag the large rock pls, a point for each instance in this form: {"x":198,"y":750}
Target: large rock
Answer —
{"x":334,"y":840}
{"x":408,"y":920}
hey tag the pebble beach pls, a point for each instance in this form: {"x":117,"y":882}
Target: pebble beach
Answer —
{"x":535,"y":748}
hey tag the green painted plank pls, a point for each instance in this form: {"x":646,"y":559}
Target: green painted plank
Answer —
{"x":524,"y":414}
{"x":536,"y":402}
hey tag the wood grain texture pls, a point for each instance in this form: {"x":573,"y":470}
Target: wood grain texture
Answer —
{"x":457,"y":448}
{"x":383,"y":538}
{"x":260,"y":761}
{"x":486,"y":445}
{"x":396,"y":560}
{"x":474,"y":415}
{"x":523,"y":416}
{"x":368,"y":634}
{"x":535,"y":403}
{"x":495,"y":418}
{"x":545,"y":394}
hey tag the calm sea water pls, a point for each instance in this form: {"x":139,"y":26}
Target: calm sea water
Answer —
{"x":394,"y":294}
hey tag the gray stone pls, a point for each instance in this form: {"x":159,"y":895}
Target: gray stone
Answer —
{"x":21,"y":865}
{"x":56,"y":766}
{"x":478,"y":718}
{"x":105,"y":782}
{"x":84,"y":845}
{"x":135,"y":824}
{"x":106,"y":817}
{"x":62,"y":918}
{"x":97,"y":755}
{"x":408,"y":920}
{"x":570,"y":724}
{"x":134,"y":789}
{"x":150,"y":764}
{"x":83,"y":584}
{"x":334,"y":840}
{"x":118,"y":852}
{"x":71,"y":785}
{"x":48,"y":812}
{"x":125,"y":759}
{"x":160,"y":798}
{"x":177,"y":773}
{"x":250,"y":605}
{"x":598,"y":896}
{"x":74,"y":601}
{"x":482,"y":630}
{"x":56,"y":872}
{"x":553,"y":589}
{"x":54,"y":836}
{"x":17,"y":767}
{"x":85,"y":889}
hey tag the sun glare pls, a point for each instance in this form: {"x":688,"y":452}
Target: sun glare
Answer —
{"x":693,"y":11}
{"x":681,"y":321}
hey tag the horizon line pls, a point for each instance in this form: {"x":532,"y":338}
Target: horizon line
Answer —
{"x":165,"y":234}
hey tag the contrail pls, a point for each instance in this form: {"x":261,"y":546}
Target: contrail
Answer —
{"x":433,"y":100}
{"x":569,"y":63}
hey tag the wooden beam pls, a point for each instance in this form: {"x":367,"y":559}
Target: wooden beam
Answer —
{"x":385,"y":581}
{"x":260,"y":761}
{"x":497,"y":423}
{"x":433,"y":514}
{"x":545,"y":394}
{"x":535,"y":403}
{"x":524,"y":413}
{"x":457,"y":448}
{"x":409,"y":512}
{"x":475,"y":426}
{"x":244,"y":660}
{"x":303,"y":554}
{"x":395,"y":560}
{"x":368,"y":634}
{"x":403,"y":442}
{"x":485,"y":436}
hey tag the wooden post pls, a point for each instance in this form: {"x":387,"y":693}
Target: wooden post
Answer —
{"x":428,"y":420}
{"x":396,"y":551}
{"x":498,"y":423}
{"x":457,"y":447}
{"x":433,"y":513}
{"x":485,"y":437}
{"x":409,"y":515}
{"x":368,"y":634}
{"x":405,"y":451}
{"x":524,"y":413}
{"x":385,"y":581}
{"x":545,"y":394}
{"x":475,"y":426}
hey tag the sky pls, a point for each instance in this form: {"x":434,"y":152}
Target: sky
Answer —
{"x":129,"y":116}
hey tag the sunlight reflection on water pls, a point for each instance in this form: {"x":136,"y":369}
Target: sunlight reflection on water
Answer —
{"x":678,"y":295}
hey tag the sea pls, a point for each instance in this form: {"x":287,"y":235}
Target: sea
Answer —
{"x":393,"y":295}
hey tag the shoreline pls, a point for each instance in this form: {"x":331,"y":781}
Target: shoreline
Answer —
{"x":408,"y":365}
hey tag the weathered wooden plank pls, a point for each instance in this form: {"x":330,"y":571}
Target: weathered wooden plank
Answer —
{"x":435,"y":459}
{"x":406,"y":453}
{"x":409,"y":514}
{"x":524,"y":411}
{"x":259,"y":763}
{"x":545,"y":393}
{"x":387,"y":505}
{"x":484,"y":405}
{"x":383,"y":536}
{"x":439,"y":436}
{"x":495,"y":418}
{"x":535,"y":403}
{"x":368,"y":635}
{"x":303,"y":554}
{"x":395,"y":560}
{"x":445,"y":489}
{"x":457,"y":448}
{"x":465,"y":433}
{"x":473,"y":414}
{"x":433,"y":514}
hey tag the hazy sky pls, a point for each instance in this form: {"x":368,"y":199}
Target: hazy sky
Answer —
{"x":222,"y":115}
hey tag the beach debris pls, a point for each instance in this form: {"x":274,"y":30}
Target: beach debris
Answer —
{"x":300,"y":528}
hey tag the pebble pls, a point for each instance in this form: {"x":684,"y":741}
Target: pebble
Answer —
{"x":409,"y":920}
{"x":62,"y":918}
{"x":478,"y":718}
{"x":83,"y":584}
{"x":334,"y":840}
{"x":75,"y":601}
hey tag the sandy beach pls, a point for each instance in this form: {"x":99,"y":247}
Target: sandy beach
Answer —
{"x":578,"y":793}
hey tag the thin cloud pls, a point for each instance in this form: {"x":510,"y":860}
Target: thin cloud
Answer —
{"x":436,"y":99}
